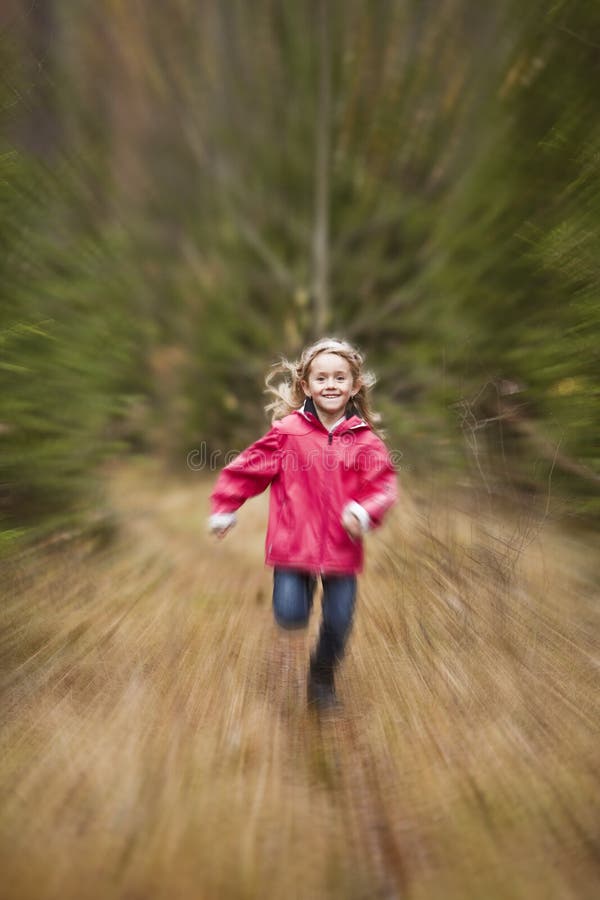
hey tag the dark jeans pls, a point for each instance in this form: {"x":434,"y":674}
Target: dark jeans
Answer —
{"x":292,"y":602}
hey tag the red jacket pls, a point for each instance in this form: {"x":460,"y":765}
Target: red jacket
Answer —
{"x":313,"y":475}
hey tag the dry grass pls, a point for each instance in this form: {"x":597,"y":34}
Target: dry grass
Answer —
{"x":155,"y":742}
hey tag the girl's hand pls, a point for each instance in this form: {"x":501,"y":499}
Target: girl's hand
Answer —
{"x":220,"y":523}
{"x":352,"y":525}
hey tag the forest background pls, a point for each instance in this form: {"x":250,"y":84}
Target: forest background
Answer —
{"x":188,"y":190}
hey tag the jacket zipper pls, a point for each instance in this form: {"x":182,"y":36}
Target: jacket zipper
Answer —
{"x":325,"y":505}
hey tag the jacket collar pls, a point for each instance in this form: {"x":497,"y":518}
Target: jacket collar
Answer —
{"x":309,"y":411}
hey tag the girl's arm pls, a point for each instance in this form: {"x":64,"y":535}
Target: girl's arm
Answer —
{"x":246,"y":476}
{"x":378,"y":489}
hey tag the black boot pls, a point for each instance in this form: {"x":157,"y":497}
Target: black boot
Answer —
{"x":320,"y":688}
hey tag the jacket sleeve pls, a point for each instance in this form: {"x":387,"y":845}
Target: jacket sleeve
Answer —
{"x":248,"y":474}
{"x":378,"y":486}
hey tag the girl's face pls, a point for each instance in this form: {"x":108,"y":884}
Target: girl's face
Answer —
{"x":330,"y":384}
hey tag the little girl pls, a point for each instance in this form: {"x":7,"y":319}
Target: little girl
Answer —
{"x":331,"y":481}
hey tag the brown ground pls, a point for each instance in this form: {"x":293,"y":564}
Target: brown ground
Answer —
{"x":155,"y":741}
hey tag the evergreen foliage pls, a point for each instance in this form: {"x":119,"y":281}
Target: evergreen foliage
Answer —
{"x":161,"y":232}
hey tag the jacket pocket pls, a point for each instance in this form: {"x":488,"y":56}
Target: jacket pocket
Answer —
{"x":277,"y":526}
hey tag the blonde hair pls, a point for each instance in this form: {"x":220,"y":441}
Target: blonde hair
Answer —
{"x":289,"y":396}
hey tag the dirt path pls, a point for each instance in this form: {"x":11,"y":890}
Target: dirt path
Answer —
{"x":156,"y":741}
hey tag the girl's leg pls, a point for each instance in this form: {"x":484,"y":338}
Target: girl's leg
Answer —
{"x":292,"y":597}
{"x":339,"y":598}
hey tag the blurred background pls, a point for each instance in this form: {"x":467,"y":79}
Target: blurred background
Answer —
{"x":188,"y":190}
